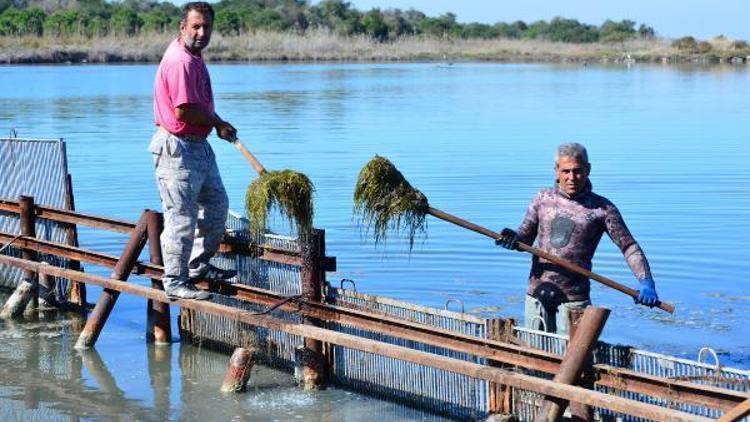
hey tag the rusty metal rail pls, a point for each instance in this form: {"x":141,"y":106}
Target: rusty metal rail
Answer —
{"x":526,"y":357}
{"x":526,"y":382}
{"x":265,"y":252}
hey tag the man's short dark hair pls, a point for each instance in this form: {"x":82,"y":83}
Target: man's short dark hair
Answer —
{"x":199,"y":6}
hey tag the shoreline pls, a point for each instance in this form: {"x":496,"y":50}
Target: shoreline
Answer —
{"x":278,"y":47}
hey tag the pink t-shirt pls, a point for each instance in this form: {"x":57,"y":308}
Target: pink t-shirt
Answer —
{"x":182,"y":78}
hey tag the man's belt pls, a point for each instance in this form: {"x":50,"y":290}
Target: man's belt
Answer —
{"x":186,"y":136}
{"x":550,"y":295}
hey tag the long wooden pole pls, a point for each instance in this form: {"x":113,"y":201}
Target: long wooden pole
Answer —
{"x":249,"y":156}
{"x":667,"y":307}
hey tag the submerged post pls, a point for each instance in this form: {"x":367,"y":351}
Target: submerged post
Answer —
{"x":108,"y":297}
{"x":28,"y":288}
{"x":238,"y":371}
{"x":579,"y":352}
{"x":158,"y":328}
{"x":312,"y":277}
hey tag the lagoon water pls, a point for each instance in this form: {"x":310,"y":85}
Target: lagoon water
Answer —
{"x":668,"y":145}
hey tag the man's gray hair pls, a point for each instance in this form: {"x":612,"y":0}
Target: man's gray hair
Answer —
{"x":572,"y":150}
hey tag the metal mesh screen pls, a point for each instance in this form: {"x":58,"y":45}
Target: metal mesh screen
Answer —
{"x":277,"y":348}
{"x":438,"y":390}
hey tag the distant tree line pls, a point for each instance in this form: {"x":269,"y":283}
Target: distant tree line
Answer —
{"x":94,"y":18}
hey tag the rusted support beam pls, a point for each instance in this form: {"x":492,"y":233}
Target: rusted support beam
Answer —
{"x":580,"y":412}
{"x":28,"y":228}
{"x":108,"y":297}
{"x":159,"y":329}
{"x":77,"y":292}
{"x":238,"y":371}
{"x":27,"y":290}
{"x":567,"y":392}
{"x":578,"y":353}
{"x":78,"y":254}
{"x":72,"y":218}
{"x":736,"y":414}
{"x":606,"y":375}
{"x":500,"y":396}
{"x":312,"y":278}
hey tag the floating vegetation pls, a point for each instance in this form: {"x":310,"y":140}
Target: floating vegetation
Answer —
{"x":385,"y":201}
{"x":286,"y":190}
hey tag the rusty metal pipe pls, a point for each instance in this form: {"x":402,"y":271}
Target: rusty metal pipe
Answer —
{"x":108,"y":297}
{"x":312,"y":277}
{"x":159,"y":329}
{"x":577,"y":355}
{"x":77,"y":293}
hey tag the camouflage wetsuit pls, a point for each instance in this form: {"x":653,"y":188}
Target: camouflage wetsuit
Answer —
{"x":571,"y":227}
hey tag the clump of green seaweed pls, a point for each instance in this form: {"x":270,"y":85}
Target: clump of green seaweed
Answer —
{"x":384,"y":201}
{"x":287,"y":190}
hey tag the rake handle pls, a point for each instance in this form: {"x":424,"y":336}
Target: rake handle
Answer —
{"x":667,"y":307}
{"x":250,"y":157}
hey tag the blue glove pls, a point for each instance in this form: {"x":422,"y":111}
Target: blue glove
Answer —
{"x":508,"y":239}
{"x":647,"y":293}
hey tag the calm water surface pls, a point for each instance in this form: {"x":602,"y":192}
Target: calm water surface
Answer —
{"x":667,"y":145}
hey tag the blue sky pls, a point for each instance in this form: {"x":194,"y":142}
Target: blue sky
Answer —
{"x":670,"y":18}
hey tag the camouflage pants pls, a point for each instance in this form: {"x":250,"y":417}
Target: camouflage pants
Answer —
{"x":194,"y":203}
{"x":538,"y":318}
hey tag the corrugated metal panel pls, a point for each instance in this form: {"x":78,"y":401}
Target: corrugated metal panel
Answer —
{"x":38,"y":168}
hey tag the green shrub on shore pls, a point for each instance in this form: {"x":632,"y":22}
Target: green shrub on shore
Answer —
{"x":97,"y":18}
{"x":99,"y":31}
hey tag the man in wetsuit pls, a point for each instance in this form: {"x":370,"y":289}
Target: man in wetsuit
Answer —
{"x":568,"y":221}
{"x":192,"y":194}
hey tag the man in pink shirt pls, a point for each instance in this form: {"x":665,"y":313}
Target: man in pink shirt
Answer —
{"x":193,"y":198}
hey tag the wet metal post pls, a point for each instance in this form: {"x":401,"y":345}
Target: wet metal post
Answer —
{"x":579,"y":411}
{"x":312,"y":278}
{"x":158,"y":329}
{"x":500,"y":396}
{"x":238,"y":371}
{"x":578,"y":354}
{"x":108,"y":297}
{"x":28,"y":289}
{"x":77,"y":293}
